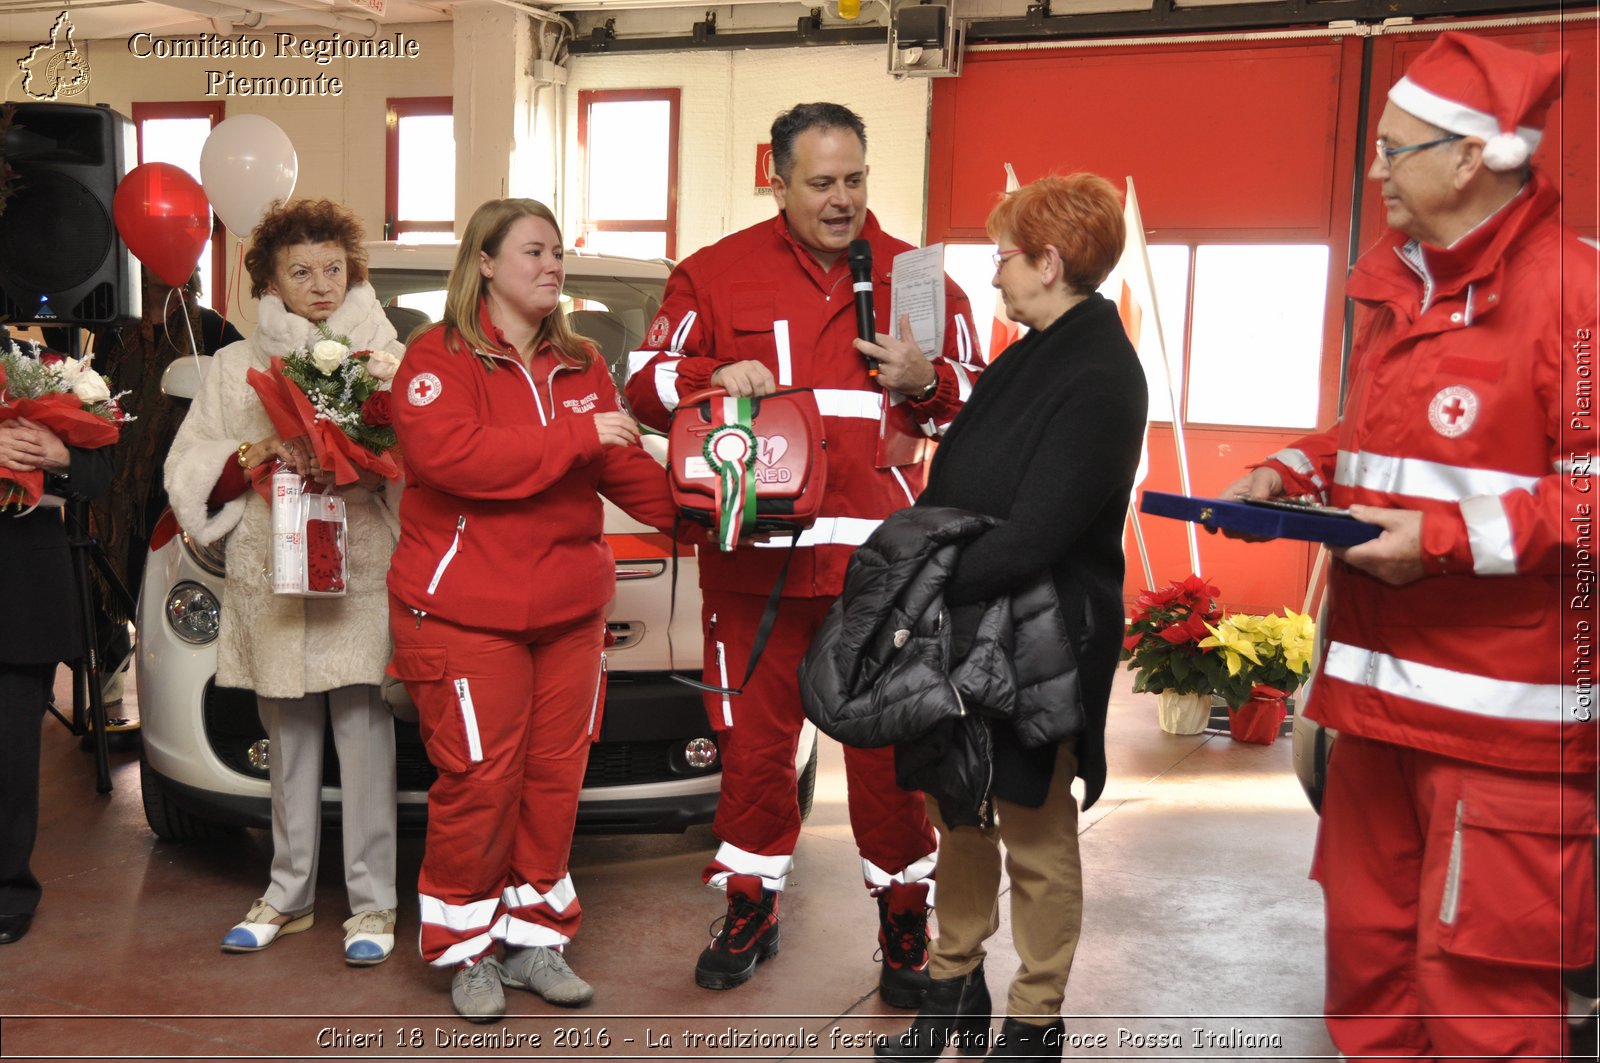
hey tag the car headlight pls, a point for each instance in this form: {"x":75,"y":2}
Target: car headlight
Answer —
{"x":193,"y":613}
{"x":212,"y":558}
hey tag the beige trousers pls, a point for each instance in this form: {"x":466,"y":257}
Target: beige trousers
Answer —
{"x":1041,"y":856}
{"x":363,"y":736}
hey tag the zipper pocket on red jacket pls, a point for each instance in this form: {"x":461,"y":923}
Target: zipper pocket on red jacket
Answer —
{"x":449,"y":555}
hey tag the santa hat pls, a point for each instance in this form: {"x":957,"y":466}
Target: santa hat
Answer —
{"x":1475,"y":87}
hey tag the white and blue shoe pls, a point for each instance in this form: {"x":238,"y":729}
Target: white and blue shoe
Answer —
{"x":369,"y":938}
{"x":261,"y":927}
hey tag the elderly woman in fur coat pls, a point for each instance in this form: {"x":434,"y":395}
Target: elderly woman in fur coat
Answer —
{"x":307,"y":659}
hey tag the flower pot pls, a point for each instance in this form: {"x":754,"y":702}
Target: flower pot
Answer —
{"x":1258,"y":720}
{"x":1183,"y":714}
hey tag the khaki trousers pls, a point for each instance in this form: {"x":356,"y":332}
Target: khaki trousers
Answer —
{"x":1041,"y":856}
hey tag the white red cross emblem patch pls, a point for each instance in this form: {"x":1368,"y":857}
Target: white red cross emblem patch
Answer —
{"x":423,"y":389}
{"x":659,"y":328}
{"x":1453,"y":410}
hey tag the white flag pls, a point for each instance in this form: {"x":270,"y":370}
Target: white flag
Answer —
{"x":1004,"y":332}
{"x":1133,"y":286}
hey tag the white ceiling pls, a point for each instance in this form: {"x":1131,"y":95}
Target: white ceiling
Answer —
{"x":31,"y":20}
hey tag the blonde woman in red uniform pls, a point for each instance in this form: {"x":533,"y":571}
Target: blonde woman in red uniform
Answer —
{"x":512,"y":430}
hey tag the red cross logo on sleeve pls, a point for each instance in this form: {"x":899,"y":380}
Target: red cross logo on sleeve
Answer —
{"x":657,"y":336}
{"x":423,"y":389}
{"x":1453,"y":410}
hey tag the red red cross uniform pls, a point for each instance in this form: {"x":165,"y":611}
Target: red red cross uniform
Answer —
{"x":757,"y":295}
{"x":1456,"y":847}
{"x":497,"y":591}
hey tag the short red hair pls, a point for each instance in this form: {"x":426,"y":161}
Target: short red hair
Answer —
{"x":1080,"y":215}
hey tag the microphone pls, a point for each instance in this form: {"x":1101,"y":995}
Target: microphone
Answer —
{"x":861,"y":283}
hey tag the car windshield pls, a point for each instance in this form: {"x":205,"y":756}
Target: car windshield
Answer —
{"x":611,"y":311}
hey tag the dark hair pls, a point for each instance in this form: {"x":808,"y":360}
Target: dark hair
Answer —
{"x":306,"y":221}
{"x":804,"y":116}
{"x":1080,"y":215}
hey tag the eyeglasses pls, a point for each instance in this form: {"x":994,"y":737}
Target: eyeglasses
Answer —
{"x":1000,"y":257}
{"x":1387,"y":154}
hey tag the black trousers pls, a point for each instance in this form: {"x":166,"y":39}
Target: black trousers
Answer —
{"x":24,"y":689}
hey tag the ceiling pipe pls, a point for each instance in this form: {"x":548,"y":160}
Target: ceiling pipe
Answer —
{"x":262,"y":13}
{"x":542,"y":15}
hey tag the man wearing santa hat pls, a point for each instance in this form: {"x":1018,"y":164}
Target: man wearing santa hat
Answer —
{"x":1458,"y":825}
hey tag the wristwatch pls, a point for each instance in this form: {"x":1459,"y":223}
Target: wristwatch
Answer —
{"x":244,"y":448}
{"x":928,"y":392}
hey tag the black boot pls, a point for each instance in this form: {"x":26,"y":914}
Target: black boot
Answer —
{"x":749,"y":935}
{"x":1032,"y":1044}
{"x":903,"y":943}
{"x":956,"y":1011}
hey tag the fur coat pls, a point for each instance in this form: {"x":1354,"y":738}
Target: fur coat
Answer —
{"x":277,"y":645}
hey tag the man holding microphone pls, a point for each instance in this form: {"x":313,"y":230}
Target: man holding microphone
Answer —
{"x":767,"y":308}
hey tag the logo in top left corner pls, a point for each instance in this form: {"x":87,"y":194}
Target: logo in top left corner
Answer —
{"x":55,"y":69}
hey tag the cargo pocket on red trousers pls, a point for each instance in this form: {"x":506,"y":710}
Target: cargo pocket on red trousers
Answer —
{"x":1519,"y":887}
{"x":444,"y":726}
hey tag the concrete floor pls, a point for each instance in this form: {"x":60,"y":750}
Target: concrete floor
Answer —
{"x":1199,"y":917}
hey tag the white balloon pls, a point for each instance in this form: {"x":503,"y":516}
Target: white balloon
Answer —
{"x":247,"y":162}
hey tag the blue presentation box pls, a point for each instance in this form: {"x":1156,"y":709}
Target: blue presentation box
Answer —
{"x":1275,"y":519}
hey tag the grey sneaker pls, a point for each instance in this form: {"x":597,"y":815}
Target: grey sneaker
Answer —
{"x":544,"y":971}
{"x":476,"y":992}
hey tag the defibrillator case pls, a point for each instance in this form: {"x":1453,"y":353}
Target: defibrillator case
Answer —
{"x":791,"y":468}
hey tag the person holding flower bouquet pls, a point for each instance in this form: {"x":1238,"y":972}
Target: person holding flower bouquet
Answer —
{"x":35,"y":567}
{"x":307,"y":659}
{"x":513,"y":429}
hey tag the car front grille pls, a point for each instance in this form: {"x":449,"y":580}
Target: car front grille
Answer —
{"x":232,"y":725}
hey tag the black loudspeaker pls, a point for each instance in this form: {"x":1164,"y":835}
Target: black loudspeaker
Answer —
{"x":61,"y":259}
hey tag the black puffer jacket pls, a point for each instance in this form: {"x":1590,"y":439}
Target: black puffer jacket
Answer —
{"x":890,"y":665}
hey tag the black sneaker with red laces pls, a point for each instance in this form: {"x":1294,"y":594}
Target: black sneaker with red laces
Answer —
{"x":749,"y":934}
{"x":903,"y":944}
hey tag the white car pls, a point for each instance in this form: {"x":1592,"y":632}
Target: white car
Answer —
{"x":655,"y":767}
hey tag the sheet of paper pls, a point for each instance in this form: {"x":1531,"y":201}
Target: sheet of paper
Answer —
{"x":917,"y":288}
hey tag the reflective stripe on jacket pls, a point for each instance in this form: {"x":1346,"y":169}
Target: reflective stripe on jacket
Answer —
{"x":1470,"y":401}
{"x":757,"y":295}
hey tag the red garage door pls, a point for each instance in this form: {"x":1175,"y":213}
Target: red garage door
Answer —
{"x":1246,"y":157}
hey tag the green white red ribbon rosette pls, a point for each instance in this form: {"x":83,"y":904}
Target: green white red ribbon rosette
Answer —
{"x":730,"y":450}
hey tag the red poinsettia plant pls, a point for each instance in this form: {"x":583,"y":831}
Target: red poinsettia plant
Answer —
{"x":1163,"y":647}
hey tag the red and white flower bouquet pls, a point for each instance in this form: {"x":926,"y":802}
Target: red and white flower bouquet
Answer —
{"x":339,"y":399}
{"x":64,"y":395}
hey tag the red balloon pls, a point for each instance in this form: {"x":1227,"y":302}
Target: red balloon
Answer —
{"x":164,"y":218}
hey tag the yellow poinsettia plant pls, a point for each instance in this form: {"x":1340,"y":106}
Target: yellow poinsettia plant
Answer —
{"x":1271,"y":651}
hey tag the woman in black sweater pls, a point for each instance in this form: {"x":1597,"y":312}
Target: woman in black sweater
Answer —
{"x":1048,"y":442}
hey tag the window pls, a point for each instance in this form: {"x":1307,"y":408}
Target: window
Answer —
{"x":629,"y":143}
{"x":972,"y":268}
{"x":1256,"y":349}
{"x":175,"y":133}
{"x":419,"y":203}
{"x":1169,"y":270}
{"x":1253,"y":354}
